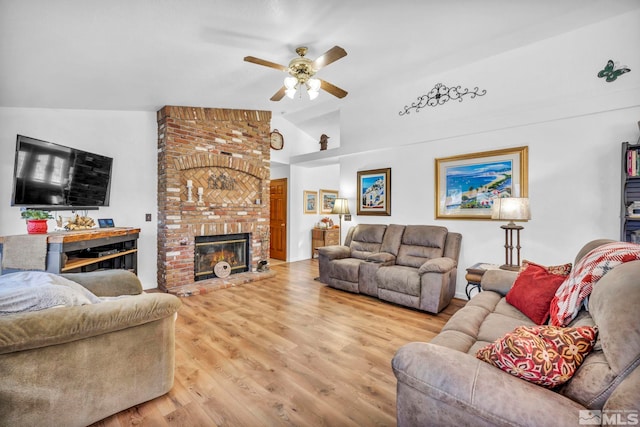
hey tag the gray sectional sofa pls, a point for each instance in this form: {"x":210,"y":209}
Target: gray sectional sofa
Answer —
{"x":411,"y":265}
{"x":442,"y":382}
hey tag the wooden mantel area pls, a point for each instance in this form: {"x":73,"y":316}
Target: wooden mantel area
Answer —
{"x":62,"y":248}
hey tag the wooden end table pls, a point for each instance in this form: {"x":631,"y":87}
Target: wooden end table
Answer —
{"x":474,"y":276}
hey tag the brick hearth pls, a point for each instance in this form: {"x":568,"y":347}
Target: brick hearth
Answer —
{"x":226,"y":153}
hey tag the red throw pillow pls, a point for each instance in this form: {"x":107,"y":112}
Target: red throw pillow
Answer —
{"x":533,"y":291}
{"x":545,"y":355}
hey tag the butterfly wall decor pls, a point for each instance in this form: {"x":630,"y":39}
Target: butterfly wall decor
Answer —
{"x":610,"y":73}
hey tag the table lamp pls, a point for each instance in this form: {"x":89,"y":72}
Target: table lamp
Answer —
{"x":511,"y":209}
{"x":340,"y":207}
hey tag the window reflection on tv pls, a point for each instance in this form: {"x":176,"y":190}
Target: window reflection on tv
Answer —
{"x":49,"y":175}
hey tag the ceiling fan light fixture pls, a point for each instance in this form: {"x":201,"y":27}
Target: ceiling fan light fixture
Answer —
{"x":314,"y":85}
{"x":313,"y":94}
{"x":291,"y":92}
{"x":290,"y":82}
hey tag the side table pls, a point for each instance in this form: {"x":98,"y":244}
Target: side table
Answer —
{"x":323,"y":237}
{"x":474,"y":276}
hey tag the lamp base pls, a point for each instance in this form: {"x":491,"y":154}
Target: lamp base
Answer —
{"x":510,"y":267}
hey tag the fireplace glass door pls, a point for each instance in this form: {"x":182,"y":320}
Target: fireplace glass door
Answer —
{"x":211,"y":250}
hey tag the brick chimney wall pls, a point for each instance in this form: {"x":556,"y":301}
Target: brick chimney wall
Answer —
{"x":226,"y":153}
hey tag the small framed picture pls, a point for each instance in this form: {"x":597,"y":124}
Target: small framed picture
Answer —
{"x":310,"y":201}
{"x":374,"y":192}
{"x":327,"y":199}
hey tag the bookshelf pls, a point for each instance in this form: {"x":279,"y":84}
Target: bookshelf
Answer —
{"x":630,"y":198}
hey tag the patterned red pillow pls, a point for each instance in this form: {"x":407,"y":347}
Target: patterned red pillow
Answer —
{"x":561,"y":270}
{"x":533,"y":291}
{"x":545,"y":355}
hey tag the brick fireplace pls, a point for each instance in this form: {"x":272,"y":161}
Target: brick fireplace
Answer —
{"x":222,"y":158}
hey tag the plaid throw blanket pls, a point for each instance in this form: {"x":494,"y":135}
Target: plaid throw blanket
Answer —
{"x":579,"y":284}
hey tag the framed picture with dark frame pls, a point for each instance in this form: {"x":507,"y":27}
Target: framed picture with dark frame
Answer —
{"x":327,"y":199}
{"x":467,"y":185}
{"x":374,"y":192}
{"x":310,"y":202}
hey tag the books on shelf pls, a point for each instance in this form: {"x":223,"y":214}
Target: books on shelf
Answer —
{"x":633,"y":163}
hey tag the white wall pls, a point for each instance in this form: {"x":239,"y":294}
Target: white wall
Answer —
{"x":574,"y":186}
{"x":129,"y":137}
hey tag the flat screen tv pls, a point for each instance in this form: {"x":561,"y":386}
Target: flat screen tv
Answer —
{"x":54,"y":177}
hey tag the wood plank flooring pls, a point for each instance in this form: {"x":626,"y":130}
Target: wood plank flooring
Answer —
{"x":285,"y":351}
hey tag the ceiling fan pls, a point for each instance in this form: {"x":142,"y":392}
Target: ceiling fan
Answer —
{"x":301,"y":73}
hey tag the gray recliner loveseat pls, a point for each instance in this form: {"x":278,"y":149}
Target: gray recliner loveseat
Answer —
{"x":411,"y":265}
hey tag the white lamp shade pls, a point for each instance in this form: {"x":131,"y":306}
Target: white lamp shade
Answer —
{"x":511,"y":209}
{"x":312,"y":94}
{"x":341,"y":206}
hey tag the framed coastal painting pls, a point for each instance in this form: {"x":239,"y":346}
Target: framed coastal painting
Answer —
{"x":374,"y":192}
{"x":327,"y":199}
{"x":310,"y":202}
{"x":468,"y":184}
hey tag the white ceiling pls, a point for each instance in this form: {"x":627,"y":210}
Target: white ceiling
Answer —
{"x":144,"y":54}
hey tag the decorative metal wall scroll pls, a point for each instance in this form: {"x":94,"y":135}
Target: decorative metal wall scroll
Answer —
{"x":441,"y":94}
{"x":610,"y":73}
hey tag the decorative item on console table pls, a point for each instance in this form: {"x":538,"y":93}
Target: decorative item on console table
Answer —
{"x":36,"y":220}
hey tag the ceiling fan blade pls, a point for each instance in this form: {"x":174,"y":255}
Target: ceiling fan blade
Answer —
{"x":328,"y":57}
{"x":279,"y":94}
{"x":270,"y":64}
{"x":332,"y":89}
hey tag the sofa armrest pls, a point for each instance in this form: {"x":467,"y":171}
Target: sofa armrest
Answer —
{"x":384,"y":258}
{"x":23,"y":331}
{"x":448,"y":378}
{"x":334,"y":252}
{"x":499,"y":281}
{"x":437,"y":265}
{"x":108,"y":283}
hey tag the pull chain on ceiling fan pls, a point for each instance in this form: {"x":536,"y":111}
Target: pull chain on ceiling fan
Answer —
{"x":302,"y":71}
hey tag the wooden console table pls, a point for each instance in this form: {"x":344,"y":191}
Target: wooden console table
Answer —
{"x":89,"y":250}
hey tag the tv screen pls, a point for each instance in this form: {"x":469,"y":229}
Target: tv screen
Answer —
{"x":52,"y":176}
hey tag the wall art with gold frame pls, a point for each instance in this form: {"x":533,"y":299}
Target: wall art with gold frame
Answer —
{"x":467,"y":184}
{"x":310,"y":202}
{"x":374,"y":192}
{"x":327,"y":199}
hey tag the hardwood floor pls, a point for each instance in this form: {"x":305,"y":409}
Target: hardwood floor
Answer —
{"x":285,"y":351}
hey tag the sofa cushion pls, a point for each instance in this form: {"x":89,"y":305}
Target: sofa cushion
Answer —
{"x":613,"y":306}
{"x":533,"y":291}
{"x":421,"y":243}
{"x":345,"y":269}
{"x":366,"y":239}
{"x":544,"y":355}
{"x":399,"y":278}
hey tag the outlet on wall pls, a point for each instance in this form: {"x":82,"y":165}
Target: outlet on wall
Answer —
{"x":147,"y":217}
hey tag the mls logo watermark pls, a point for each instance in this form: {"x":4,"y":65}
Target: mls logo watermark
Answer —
{"x":609,"y":417}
